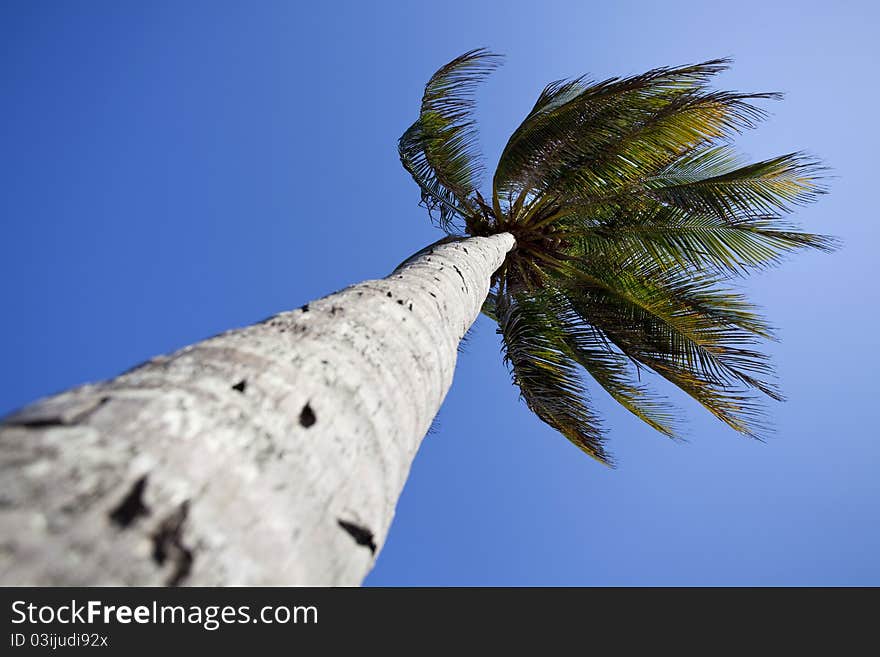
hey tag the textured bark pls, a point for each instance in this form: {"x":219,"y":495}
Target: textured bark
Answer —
{"x":268,"y":455}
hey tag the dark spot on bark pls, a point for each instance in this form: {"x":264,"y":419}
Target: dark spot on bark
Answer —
{"x":432,"y":294}
{"x":307,"y":416}
{"x":305,"y":308}
{"x":132,"y":505}
{"x":400,"y":301}
{"x":410,"y":306}
{"x":465,"y":249}
{"x":240,"y":386}
{"x":458,"y":271}
{"x":324,"y":362}
{"x":168,"y":545}
{"x":388,"y":294}
{"x":361,"y":535}
{"x":360,"y":294}
{"x":335,"y":309}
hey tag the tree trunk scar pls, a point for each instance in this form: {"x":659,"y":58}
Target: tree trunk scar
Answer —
{"x":132,"y":505}
{"x":361,"y":535}
{"x":168,"y":545}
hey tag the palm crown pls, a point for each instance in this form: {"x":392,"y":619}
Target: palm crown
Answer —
{"x":631,"y":215}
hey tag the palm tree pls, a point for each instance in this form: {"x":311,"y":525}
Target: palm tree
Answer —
{"x":618,"y":218}
{"x":630,"y":212}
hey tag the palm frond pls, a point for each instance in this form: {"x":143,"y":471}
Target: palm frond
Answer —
{"x":672,"y":237}
{"x":440,"y":149}
{"x":434,"y":195}
{"x":713,"y":181}
{"x":547,"y":376}
{"x":611,"y":369}
{"x":616,"y":127}
{"x":690,"y":331}
{"x":645,"y":144}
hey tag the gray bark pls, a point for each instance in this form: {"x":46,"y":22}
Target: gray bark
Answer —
{"x":268,"y":455}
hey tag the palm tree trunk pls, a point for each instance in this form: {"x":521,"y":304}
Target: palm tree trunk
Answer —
{"x":268,"y":455}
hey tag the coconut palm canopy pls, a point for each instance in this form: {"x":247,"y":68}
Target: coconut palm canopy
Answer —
{"x":633,"y":216}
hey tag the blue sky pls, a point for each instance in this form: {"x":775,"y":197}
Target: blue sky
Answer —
{"x":174,"y":169}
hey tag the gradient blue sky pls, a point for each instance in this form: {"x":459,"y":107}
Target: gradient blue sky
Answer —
{"x":173,"y":169}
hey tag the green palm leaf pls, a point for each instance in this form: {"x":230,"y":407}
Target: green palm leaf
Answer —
{"x":546,"y":375}
{"x":612,"y":370}
{"x":671,"y":237}
{"x":689,"y":331}
{"x":582,"y":133}
{"x":710,"y":181}
{"x":440,"y":149}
